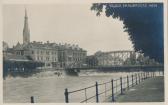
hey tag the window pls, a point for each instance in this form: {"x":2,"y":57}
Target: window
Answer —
{"x":47,"y":52}
{"x":37,"y":57}
{"x":47,"y":58}
{"x":32,"y":52}
{"x":41,"y":58}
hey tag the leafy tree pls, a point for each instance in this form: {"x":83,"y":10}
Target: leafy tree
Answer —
{"x":144,"y":25}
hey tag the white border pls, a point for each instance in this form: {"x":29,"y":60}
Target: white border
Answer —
{"x":88,"y":1}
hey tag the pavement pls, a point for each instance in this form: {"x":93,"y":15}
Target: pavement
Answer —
{"x":150,"y":90}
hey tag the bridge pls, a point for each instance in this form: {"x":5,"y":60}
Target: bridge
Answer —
{"x":115,"y":57}
{"x":124,"y":68}
{"x":135,"y":67}
{"x":115,"y":60}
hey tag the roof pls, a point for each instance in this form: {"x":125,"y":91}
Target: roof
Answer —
{"x":13,"y":57}
{"x":40,"y":45}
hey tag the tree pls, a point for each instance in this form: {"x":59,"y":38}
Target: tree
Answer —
{"x":144,"y":24}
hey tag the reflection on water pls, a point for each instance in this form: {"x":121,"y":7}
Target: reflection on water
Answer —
{"x":48,"y":87}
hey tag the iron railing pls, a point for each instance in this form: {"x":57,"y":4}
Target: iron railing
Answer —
{"x":111,"y":89}
{"x":118,"y":87}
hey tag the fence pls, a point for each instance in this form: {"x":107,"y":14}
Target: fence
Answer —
{"x":111,"y":88}
{"x":114,"y":87}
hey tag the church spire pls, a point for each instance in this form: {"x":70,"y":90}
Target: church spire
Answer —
{"x":26,"y":31}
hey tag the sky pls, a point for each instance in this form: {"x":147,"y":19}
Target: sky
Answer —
{"x":65,"y":23}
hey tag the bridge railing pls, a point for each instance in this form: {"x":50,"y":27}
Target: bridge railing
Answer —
{"x":100,"y":92}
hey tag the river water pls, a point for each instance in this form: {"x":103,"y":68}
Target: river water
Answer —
{"x":49,"y":88}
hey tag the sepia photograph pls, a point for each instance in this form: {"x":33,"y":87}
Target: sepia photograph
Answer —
{"x":83,"y":52}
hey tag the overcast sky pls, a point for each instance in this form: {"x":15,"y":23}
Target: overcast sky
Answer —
{"x":65,"y":23}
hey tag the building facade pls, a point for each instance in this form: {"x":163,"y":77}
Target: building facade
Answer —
{"x":71,"y":55}
{"x":51,"y":54}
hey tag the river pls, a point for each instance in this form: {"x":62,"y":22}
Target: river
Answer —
{"x":47,"y":88}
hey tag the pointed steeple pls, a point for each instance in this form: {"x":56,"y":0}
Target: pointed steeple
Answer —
{"x":26,"y":13}
{"x":26,"y":31}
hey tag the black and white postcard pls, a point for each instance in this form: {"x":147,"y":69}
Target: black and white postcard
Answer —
{"x":84,"y":52}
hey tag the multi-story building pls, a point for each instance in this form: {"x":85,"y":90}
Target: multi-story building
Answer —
{"x":51,"y":54}
{"x":37,"y":51}
{"x":71,"y":55}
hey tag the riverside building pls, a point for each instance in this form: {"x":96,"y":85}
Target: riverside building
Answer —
{"x":51,"y":54}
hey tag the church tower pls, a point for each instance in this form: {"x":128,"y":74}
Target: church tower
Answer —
{"x":26,"y":31}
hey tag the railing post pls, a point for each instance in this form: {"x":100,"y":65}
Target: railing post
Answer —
{"x":66,"y":96}
{"x":85,"y":95}
{"x":112,"y":87}
{"x":132,"y":80}
{"x":121,"y":85}
{"x":139,"y":76}
{"x":32,"y":99}
{"x":97,"y":94}
{"x":127,"y":82}
{"x":105,"y":90}
{"x":136,"y":79}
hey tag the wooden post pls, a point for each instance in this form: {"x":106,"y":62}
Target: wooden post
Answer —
{"x":32,"y":99}
{"x":66,"y":96}
{"x":121,"y":85}
{"x":112,"y":87}
{"x":127,"y":82}
{"x":132,"y":80}
{"x":97,"y":94}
